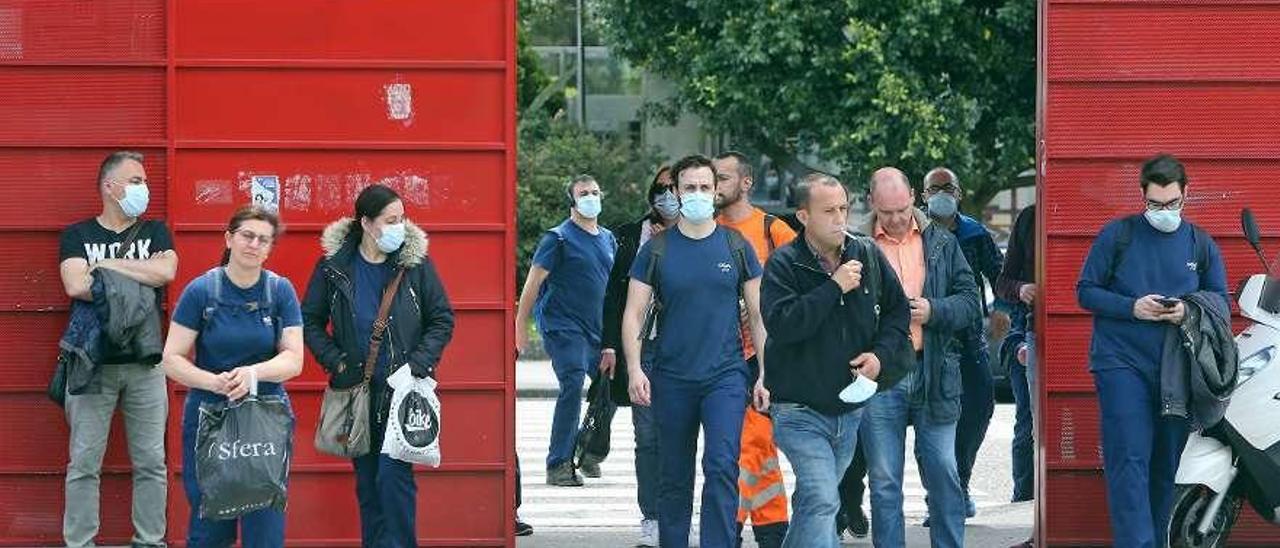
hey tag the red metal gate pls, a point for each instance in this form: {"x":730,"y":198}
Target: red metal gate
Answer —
{"x":328,"y":98}
{"x":1120,"y":81}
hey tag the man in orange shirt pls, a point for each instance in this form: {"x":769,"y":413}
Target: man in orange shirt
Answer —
{"x":944,"y":301}
{"x":762,"y":495}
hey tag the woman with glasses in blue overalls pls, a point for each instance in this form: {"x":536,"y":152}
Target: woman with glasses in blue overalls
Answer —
{"x":245,"y":325}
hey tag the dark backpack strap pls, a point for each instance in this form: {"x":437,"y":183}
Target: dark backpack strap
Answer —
{"x":657,"y":247}
{"x":738,"y":249}
{"x":1201,"y":240}
{"x":1124,"y":236}
{"x":768,"y":231}
{"x":213,"y":286}
{"x":559,"y":244}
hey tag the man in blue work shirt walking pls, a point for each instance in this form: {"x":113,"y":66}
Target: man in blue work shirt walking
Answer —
{"x":1131,"y":281}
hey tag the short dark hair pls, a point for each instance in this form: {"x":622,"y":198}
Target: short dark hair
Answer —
{"x":692,"y":161}
{"x":744,"y":164}
{"x":370,"y":203}
{"x":575,"y":181}
{"x":251,"y":213}
{"x":1163,"y":170}
{"x":113,"y":160}
{"x":804,"y":189}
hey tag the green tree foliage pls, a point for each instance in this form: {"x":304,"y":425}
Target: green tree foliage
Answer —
{"x":863,"y":83}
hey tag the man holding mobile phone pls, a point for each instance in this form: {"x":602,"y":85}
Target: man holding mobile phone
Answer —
{"x":1131,"y":279}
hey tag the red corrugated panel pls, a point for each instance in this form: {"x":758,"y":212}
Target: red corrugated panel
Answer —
{"x":29,"y":347}
{"x":31,"y":510}
{"x":344,"y":29}
{"x":1122,"y":81}
{"x":42,"y":427}
{"x":31,"y":173}
{"x":348,"y":106}
{"x":321,"y":186}
{"x":1096,"y":191}
{"x":91,"y":106}
{"x":1107,"y":120}
{"x":72,"y":30}
{"x":1164,"y":41}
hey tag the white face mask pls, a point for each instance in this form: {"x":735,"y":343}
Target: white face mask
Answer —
{"x":588,"y":206}
{"x":1165,"y":220}
{"x":858,"y":391}
{"x":392,"y":237}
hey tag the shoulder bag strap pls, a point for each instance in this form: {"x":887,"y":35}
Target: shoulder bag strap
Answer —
{"x":380,"y":325}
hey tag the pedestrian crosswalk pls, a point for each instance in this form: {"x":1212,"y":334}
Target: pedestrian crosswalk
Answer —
{"x":610,"y":501}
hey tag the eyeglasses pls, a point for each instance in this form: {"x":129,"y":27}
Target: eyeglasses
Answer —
{"x":1171,"y":205}
{"x":249,"y":237}
{"x":948,"y":188}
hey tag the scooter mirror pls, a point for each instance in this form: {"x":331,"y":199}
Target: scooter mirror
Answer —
{"x":1251,"y":233}
{"x":1250,"y":227}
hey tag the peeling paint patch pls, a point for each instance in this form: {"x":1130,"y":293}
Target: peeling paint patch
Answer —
{"x":356,"y":183}
{"x":399,"y":102}
{"x":416,"y":190}
{"x":328,"y":192}
{"x":213,"y":192}
{"x":297,"y":193}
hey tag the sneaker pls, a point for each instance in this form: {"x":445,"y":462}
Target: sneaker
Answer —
{"x":563,"y":475}
{"x":858,"y":524}
{"x":970,"y":509}
{"x":648,"y":534}
{"x":590,"y":469}
{"x":523,"y":529}
{"x":1029,"y":543}
{"x":925,"y":523}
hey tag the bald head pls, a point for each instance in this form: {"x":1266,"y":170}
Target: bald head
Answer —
{"x":889,"y":182}
{"x":941,"y":179}
{"x":893,"y":201}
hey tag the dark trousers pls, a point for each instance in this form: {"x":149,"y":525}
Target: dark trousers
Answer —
{"x":387,"y":494}
{"x":1140,"y":453}
{"x":977,"y":402}
{"x":681,"y":407}
{"x":854,"y":483}
{"x":1024,"y":443}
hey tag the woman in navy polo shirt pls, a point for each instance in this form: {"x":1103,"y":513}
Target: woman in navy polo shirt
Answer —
{"x":241,"y":330}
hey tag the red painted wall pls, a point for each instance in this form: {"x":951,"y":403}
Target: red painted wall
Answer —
{"x":215,"y":92}
{"x":1119,"y":82}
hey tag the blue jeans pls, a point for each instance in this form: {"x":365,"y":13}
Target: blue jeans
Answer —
{"x":884,"y":432}
{"x":1140,"y":454}
{"x":259,"y":529}
{"x":820,"y":448}
{"x":648,"y":467}
{"x":977,"y":402}
{"x":717,"y":405}
{"x":1024,"y":444}
{"x":572,"y":356}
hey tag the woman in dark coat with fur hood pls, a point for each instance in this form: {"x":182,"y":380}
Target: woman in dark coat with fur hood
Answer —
{"x":362,"y":255}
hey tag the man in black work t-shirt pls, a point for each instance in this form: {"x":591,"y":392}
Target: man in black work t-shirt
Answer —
{"x":137,"y":388}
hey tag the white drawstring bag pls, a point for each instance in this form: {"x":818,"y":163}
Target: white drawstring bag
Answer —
{"x":413,"y":425}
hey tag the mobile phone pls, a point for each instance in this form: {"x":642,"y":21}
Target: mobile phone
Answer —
{"x":1167,"y":302}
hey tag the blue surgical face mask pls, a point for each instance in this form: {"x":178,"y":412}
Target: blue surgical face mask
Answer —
{"x":943,"y":206}
{"x":697,"y":207}
{"x":392,"y":237}
{"x":135,"y":199}
{"x":858,"y":391}
{"x":588,"y":206}
{"x":667,"y":205}
{"x":1165,"y":220}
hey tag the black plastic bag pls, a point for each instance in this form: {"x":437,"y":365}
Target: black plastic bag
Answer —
{"x":593,"y":439}
{"x":242,"y":456}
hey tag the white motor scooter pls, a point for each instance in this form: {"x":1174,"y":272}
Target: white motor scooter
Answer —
{"x":1239,"y":458}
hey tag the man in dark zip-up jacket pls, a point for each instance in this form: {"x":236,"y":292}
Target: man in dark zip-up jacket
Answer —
{"x":821,"y":317}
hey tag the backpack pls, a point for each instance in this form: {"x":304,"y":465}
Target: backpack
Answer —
{"x":1124,"y":237}
{"x":213,"y":281}
{"x":657,"y":247}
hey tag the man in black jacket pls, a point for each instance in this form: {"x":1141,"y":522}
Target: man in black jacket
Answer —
{"x":821,"y":315}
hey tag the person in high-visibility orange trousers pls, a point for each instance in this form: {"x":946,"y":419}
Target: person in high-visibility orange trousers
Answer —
{"x":762,"y":495}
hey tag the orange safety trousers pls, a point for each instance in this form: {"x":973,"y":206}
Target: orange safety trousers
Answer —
{"x":762,"y":495}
